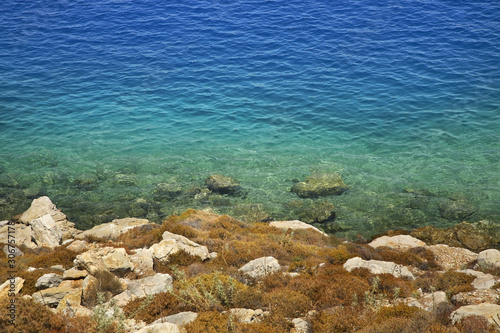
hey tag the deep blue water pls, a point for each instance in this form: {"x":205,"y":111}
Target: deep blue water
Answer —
{"x":101,"y":101}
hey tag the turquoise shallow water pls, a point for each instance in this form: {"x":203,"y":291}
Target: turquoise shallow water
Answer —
{"x":100,"y":102}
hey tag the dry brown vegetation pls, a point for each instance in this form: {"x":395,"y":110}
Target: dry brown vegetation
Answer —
{"x":332,"y":299}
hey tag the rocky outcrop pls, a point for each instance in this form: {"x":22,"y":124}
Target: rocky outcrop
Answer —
{"x":222,"y":185}
{"x":49,"y":280}
{"x":379,"y":267}
{"x":294,"y":225}
{"x":399,"y":242}
{"x":115,"y":260}
{"x":318,"y":185}
{"x":43,"y":206}
{"x":260,"y":267}
{"x":490,"y":312}
{"x":173,"y":243}
{"x":51,"y":296}
{"x":113,"y":229}
{"x":46,"y":232}
{"x":458,"y":210}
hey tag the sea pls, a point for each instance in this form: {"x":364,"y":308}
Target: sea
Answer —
{"x":122,"y":108}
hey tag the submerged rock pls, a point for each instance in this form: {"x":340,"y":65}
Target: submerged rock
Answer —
{"x":311,"y":211}
{"x":458,"y":210}
{"x":318,"y":185}
{"x":467,"y":235}
{"x":222,"y":184}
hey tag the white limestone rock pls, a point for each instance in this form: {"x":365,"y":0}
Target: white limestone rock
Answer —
{"x":490,"y":312}
{"x":46,"y":232}
{"x":400,"y":242}
{"x":115,"y":260}
{"x":173,"y":243}
{"x":260,"y":267}
{"x":379,"y":267}
{"x":294,"y":225}
{"x":113,"y":229}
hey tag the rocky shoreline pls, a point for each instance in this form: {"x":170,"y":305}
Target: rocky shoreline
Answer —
{"x":203,"y":272}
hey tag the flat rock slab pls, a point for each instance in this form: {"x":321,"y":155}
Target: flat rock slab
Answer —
{"x":485,"y":310}
{"x":451,"y":257}
{"x":75,"y":274}
{"x":181,"y":319}
{"x":260,"y":267}
{"x":379,"y":267}
{"x":477,"y":297}
{"x":51,"y":296}
{"x":113,"y":229}
{"x":11,"y":286}
{"x":294,"y":225}
{"x":482,"y":280}
{"x":400,"y":242}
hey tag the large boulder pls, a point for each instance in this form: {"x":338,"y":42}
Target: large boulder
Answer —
{"x":489,"y":259}
{"x":451,"y":257}
{"x":379,"y":267}
{"x":294,"y":225}
{"x":318,"y":185}
{"x":260,"y":267}
{"x":49,"y":280}
{"x":43,"y":206}
{"x":70,"y":304}
{"x":490,"y":312}
{"x":115,"y":260}
{"x":173,"y":243}
{"x":46,"y":232}
{"x":222,"y":185}
{"x":150,"y":285}
{"x":399,"y":242}
{"x":113,"y":229}
{"x":51,"y":296}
